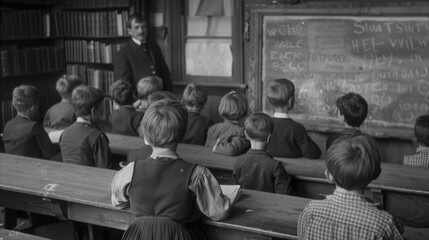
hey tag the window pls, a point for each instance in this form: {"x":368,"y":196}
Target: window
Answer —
{"x":209,"y":36}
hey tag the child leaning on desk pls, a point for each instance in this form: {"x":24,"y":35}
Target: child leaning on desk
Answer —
{"x":228,"y":138}
{"x":23,"y":135}
{"x":352,"y":163}
{"x":163,"y":191}
{"x":61,"y":115}
{"x":289,"y":138}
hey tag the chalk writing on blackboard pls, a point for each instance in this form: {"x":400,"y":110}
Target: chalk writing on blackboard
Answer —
{"x":384,"y":59}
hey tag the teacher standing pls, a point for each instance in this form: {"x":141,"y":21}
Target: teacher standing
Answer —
{"x":140,"y":58}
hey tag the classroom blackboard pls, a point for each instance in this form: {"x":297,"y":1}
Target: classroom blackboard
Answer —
{"x":384,"y":59}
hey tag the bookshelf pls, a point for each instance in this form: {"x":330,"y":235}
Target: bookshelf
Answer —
{"x":44,"y":39}
{"x":93,"y":32}
{"x":30,"y":52}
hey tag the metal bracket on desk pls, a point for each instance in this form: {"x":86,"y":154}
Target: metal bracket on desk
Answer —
{"x":58,"y":208}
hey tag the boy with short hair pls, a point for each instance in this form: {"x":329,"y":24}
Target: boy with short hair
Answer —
{"x":352,"y":163}
{"x":61,"y":115}
{"x":83,"y":143}
{"x":23,"y":135}
{"x":124,"y":118}
{"x":256,"y":169}
{"x":289,"y":138}
{"x":145,"y":87}
{"x":352,"y":110}
{"x":421,"y":138}
{"x":194,"y":99}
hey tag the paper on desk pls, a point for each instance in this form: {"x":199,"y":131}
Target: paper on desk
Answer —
{"x":55,"y":136}
{"x":233,"y":192}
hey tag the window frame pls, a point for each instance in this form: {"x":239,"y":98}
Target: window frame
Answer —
{"x":176,"y":14}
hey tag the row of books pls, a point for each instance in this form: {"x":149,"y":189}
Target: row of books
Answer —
{"x":90,"y":51}
{"x":31,"y":2}
{"x":94,"y":3}
{"x":94,"y":24}
{"x":24,"y":24}
{"x":37,"y":24}
{"x":16,"y":61}
{"x":96,"y":77}
{"x":106,"y":109}
{"x":7,"y":111}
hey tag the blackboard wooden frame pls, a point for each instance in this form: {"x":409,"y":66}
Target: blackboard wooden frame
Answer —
{"x":257,"y":14}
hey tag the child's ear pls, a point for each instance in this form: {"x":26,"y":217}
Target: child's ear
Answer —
{"x":329,"y":176}
{"x":146,"y":142}
{"x":291,"y":102}
{"x":268,"y":138}
{"x":245,"y":134}
{"x":116,"y":106}
{"x":93,"y":110}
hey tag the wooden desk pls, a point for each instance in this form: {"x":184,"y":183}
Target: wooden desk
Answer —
{"x":402,"y":190}
{"x":14,"y":235}
{"x":83,"y":194}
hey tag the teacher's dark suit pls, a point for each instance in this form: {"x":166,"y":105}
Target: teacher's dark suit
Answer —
{"x":133,"y":63}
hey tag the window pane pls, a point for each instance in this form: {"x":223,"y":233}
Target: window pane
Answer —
{"x":208,"y":57}
{"x":209,"y":18}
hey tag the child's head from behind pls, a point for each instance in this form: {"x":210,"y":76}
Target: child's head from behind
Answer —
{"x":421,"y":130}
{"x":194,"y":97}
{"x":66,"y":84}
{"x":233,"y":106}
{"x":85,"y":100}
{"x":25,"y":99}
{"x":121,"y":92}
{"x":258,"y":126}
{"x":354,"y":108}
{"x":164,"y":123}
{"x":281,"y":93}
{"x":160,"y":95}
{"x":148,"y":85}
{"x":353,"y":161}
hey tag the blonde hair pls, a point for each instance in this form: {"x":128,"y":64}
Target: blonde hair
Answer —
{"x":148,"y":85}
{"x":233,"y":106}
{"x":66,"y":84}
{"x":164,"y":123}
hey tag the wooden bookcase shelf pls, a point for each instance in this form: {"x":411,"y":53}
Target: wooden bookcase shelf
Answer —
{"x":43,"y":39}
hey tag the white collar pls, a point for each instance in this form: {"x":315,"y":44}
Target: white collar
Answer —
{"x":82,"y":120}
{"x":24,"y":116}
{"x":163,"y":153}
{"x":138,"y":42}
{"x":280,"y":115}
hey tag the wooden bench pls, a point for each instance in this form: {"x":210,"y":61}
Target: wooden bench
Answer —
{"x":15,"y":235}
{"x":82,"y":194}
{"x":402,"y":190}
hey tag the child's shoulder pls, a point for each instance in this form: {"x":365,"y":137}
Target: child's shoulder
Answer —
{"x":288,"y":123}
